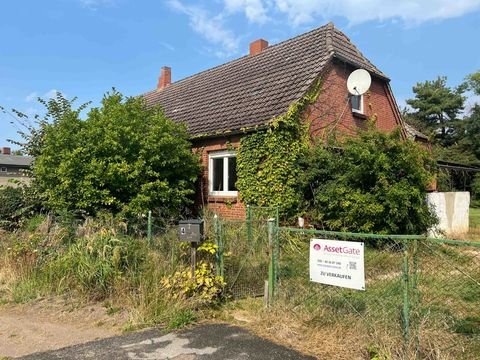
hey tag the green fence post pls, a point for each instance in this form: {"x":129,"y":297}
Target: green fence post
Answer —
{"x":218,"y":241}
{"x":272,"y":265}
{"x":277,"y":217}
{"x":149,"y":227}
{"x":249,"y":225}
{"x":406,"y":298}
{"x":416,"y":298}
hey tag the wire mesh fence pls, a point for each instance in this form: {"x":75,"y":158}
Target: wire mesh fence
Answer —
{"x":243,"y":259}
{"x":446,"y":312}
{"x":421,"y":299}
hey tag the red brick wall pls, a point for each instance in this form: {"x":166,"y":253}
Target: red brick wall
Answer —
{"x":230,"y":208}
{"x":332,"y":113}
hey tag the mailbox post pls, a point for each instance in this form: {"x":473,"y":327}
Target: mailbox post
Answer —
{"x":191,"y":231}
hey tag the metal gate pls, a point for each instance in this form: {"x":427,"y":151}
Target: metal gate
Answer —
{"x":243,"y":252}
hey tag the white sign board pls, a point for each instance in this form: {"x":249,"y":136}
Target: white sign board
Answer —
{"x":338,"y":263}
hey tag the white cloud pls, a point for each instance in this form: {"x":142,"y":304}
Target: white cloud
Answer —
{"x":213,"y":24}
{"x":48,"y":95}
{"x":95,"y":4}
{"x":211,"y":27}
{"x":167,"y":45}
{"x":358,"y":11}
{"x":254,"y":10}
{"x":32,"y":96}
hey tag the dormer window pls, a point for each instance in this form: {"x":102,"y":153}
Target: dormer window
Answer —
{"x":357,"y":103}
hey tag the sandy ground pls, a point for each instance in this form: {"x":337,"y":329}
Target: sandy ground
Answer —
{"x":51,"y":324}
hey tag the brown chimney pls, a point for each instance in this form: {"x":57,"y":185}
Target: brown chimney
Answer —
{"x":165,"y":78}
{"x":258,"y":46}
{"x":6,"y":151}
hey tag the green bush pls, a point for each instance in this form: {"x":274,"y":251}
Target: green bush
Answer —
{"x":476,"y":191}
{"x":123,"y":158}
{"x":376,"y":183}
{"x":11,"y":203}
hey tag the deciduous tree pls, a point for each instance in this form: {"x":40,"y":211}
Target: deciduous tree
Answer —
{"x":124,"y":157}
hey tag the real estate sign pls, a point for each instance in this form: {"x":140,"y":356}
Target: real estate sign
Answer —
{"x":338,"y":263}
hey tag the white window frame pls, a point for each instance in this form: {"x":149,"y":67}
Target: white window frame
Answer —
{"x":358,"y":111}
{"x":3,"y":169}
{"x":215,"y":155}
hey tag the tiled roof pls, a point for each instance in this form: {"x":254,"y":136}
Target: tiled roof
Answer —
{"x":15,"y":160}
{"x":414,"y":133}
{"x":252,"y":90}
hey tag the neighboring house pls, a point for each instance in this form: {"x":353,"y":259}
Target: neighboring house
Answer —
{"x":221,"y":104}
{"x":12,"y":167}
{"x":415,"y":135}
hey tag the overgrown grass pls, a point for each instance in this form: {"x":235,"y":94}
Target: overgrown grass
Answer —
{"x":99,"y":262}
{"x":443,"y":297}
{"x":104,"y":263}
{"x":475,"y":218}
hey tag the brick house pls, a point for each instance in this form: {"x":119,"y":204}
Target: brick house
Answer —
{"x":12,"y":167}
{"x":222,"y":104}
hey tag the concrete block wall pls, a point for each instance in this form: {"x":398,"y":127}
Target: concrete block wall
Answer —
{"x":452,"y":209}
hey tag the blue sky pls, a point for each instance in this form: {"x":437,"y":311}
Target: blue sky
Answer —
{"x":84,"y":48}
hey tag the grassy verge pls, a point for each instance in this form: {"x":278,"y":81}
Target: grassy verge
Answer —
{"x":443,"y":292}
{"x":475,"y":218}
{"x":101,"y":264}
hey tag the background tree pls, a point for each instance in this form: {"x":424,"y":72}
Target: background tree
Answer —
{"x":471,"y":135}
{"x":473,"y":82}
{"x":437,"y":108}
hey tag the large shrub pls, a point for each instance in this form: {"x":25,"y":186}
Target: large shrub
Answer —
{"x":375,"y":182}
{"x":124,"y":158}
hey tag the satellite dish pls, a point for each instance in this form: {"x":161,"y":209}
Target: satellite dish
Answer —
{"x":359,"y":82}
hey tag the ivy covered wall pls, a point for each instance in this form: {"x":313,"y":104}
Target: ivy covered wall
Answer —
{"x":268,"y":160}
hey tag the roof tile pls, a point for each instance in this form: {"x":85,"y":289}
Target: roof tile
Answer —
{"x":252,"y":90}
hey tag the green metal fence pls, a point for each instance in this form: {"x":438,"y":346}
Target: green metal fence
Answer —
{"x":422,"y":297}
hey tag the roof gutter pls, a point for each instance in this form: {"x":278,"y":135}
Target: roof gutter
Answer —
{"x":230,"y":133}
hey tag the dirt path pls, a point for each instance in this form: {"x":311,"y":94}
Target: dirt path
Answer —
{"x":51,"y":324}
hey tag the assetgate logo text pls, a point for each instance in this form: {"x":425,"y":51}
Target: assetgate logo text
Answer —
{"x":341,"y":250}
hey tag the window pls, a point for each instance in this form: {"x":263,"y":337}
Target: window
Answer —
{"x":357,"y":103}
{"x":3,"y":169}
{"x":222,"y":173}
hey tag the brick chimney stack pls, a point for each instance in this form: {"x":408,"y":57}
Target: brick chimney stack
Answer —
{"x":6,"y":151}
{"x":165,"y":78}
{"x":258,"y":46}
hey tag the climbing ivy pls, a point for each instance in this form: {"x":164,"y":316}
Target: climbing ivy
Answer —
{"x":267,"y":160}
